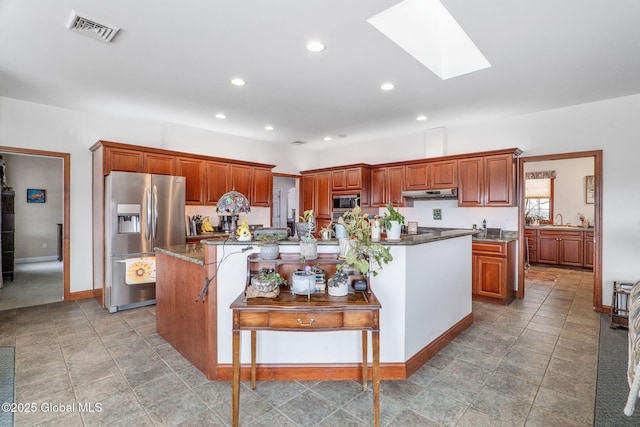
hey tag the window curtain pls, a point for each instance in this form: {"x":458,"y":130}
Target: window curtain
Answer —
{"x":538,"y":184}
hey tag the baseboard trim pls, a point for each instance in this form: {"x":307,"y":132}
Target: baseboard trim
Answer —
{"x":421,"y":357}
{"x":91,"y":293}
{"x":351,"y":371}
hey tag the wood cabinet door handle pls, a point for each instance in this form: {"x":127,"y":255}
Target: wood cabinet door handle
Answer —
{"x":311,"y":321}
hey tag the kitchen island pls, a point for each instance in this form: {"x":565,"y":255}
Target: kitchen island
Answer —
{"x":425,"y":293}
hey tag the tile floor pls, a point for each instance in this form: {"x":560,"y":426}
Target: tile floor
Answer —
{"x":530,"y":363}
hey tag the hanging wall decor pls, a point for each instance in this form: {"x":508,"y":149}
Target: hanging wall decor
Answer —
{"x":36,"y":196}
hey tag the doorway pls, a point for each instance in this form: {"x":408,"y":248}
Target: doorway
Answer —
{"x":285,"y":200}
{"x":64,"y":252}
{"x":597,"y":219}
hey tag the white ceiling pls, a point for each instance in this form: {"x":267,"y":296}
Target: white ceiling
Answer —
{"x":172,"y":61}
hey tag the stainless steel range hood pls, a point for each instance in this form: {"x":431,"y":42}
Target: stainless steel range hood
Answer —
{"x":440,"y":194}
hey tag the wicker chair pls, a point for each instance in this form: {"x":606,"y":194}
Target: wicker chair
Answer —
{"x":633,"y":368}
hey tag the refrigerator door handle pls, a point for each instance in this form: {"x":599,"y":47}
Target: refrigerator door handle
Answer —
{"x":155,"y":211}
{"x":147,"y":229}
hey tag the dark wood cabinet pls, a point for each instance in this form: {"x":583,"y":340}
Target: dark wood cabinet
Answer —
{"x":316,"y":195}
{"x":387,"y":184}
{"x":123,"y":160}
{"x":471,"y":182}
{"x":8,"y":234}
{"x":160,"y":164}
{"x":560,"y":247}
{"x":217,"y":181}
{"x":493,"y":271}
{"x":241,"y":179}
{"x":487,"y":180}
{"x":432,"y":175}
{"x":193,"y":171}
{"x":499,"y":180}
{"x":262,"y":188}
{"x":589,"y":249}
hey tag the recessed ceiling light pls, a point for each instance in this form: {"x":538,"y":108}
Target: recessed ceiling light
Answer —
{"x":268,"y":127}
{"x":220,"y":116}
{"x":237,"y":81}
{"x":327,"y":138}
{"x":315,"y":46}
{"x":421,"y":118}
{"x":387,"y":86}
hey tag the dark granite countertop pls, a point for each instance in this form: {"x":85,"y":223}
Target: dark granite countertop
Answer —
{"x":191,"y":252}
{"x":425,"y":235}
{"x":506,"y":236}
{"x":558,"y":227}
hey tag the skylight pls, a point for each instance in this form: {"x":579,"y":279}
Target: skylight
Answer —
{"x":428,"y":32}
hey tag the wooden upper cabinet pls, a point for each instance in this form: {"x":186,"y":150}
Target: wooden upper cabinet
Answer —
{"x":348,"y":179}
{"x":443,"y":174}
{"x":324,"y":200}
{"x":499,"y":176}
{"x":262,"y":187}
{"x":431,"y":175}
{"x":193,"y":171}
{"x":307,"y":192}
{"x":396,"y":185}
{"x":471,"y":182}
{"x":122,"y":160}
{"x":217,"y":181}
{"x":339,"y":180}
{"x":161,"y":164}
{"x":386,"y":186}
{"x":241,"y":179}
{"x":378,"y":186}
{"x":417,"y":176}
{"x":488,"y":180}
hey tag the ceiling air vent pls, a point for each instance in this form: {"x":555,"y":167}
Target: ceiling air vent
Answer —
{"x":298,"y":142}
{"x":91,"y":28}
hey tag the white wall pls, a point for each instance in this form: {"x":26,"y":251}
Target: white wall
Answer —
{"x":611,"y":125}
{"x":569,"y":186}
{"x":40,"y":127}
{"x":36,"y":223}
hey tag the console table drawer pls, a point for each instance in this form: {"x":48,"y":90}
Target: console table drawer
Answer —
{"x":306,"y":320}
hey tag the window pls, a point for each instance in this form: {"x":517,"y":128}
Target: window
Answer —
{"x":538,"y":196}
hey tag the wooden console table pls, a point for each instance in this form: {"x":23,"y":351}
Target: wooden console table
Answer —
{"x":319,"y":312}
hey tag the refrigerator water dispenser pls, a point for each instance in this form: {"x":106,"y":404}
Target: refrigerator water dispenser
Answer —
{"x":128,"y":218}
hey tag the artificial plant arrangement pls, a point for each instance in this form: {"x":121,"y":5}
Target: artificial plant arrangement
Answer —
{"x":308,"y":243}
{"x":362,"y":250}
{"x":391,"y":215}
{"x":392,"y":220}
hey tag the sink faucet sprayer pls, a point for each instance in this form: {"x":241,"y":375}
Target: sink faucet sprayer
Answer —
{"x":559,"y":215}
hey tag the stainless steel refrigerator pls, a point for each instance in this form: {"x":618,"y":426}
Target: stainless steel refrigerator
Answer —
{"x":142,"y":211}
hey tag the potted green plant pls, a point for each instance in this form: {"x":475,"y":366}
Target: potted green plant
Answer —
{"x":308,"y":243}
{"x":362,"y":255}
{"x":327,"y":232}
{"x":267,"y":280}
{"x":268,"y":243}
{"x":392,"y":220}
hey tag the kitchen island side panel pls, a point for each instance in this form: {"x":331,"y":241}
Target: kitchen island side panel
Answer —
{"x":189,"y":326}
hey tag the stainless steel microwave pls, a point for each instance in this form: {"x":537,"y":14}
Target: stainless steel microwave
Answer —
{"x":345,"y":201}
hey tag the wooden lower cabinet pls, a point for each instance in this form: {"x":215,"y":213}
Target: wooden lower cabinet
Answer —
{"x":494,"y":271}
{"x":589,"y":249}
{"x":560,"y":247}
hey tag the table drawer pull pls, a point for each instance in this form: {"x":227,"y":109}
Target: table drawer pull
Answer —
{"x":306,"y":324}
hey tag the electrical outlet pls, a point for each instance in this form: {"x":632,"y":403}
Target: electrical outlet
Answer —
{"x":45,"y":245}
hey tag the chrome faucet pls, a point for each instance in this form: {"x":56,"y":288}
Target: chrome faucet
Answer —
{"x":559,"y":215}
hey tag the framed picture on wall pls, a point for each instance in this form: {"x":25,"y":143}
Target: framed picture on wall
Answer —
{"x":590,"y":188}
{"x":36,"y":196}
